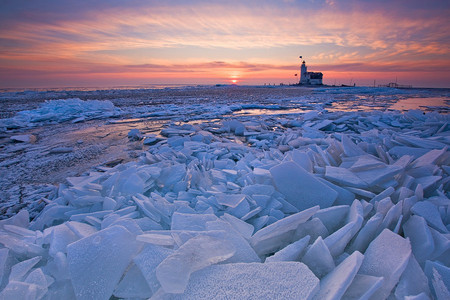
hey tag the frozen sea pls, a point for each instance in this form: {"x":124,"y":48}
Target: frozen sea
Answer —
{"x":225,"y":192}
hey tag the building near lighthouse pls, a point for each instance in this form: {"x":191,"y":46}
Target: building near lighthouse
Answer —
{"x":309,"y":78}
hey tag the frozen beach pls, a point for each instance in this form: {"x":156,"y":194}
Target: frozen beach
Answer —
{"x":225,"y":192}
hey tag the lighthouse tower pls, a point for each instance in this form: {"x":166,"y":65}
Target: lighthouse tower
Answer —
{"x":309,"y":78}
{"x":303,"y":73}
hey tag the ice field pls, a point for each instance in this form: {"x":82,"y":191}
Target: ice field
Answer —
{"x":225,"y":193}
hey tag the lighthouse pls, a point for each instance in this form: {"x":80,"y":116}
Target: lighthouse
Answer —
{"x":303,"y":71}
{"x":309,"y":78}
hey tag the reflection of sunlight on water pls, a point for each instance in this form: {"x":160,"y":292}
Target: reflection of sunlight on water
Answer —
{"x":439,"y":104}
{"x":419,"y":103}
{"x":259,"y":111}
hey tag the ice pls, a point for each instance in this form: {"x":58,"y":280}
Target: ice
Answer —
{"x":378,"y":175}
{"x":337,"y":241}
{"x":64,"y":110}
{"x":133,"y":285}
{"x":441,"y":244}
{"x":422,"y":242}
{"x":431,"y":214}
{"x":314,"y":228}
{"x":225,"y":232}
{"x":387,"y":256}
{"x":24,"y":138}
{"x":181,"y":221}
{"x":147,"y":261}
{"x":334,"y":285}
{"x":215,"y":188}
{"x":429,"y":158}
{"x":292,"y":252}
{"x":301,"y":188}
{"x":367,"y":233}
{"x":5,"y":266}
{"x":230,"y":200}
{"x":318,"y":258}
{"x":421,"y":296}
{"x":61,"y":236}
{"x":413,"y":280}
{"x":156,"y":239}
{"x":20,"y":290}
{"x":97,"y":262}
{"x":199,"y":252}
{"x":279,"y":234}
{"x":37,"y":278}
{"x":333,"y":217}
{"x":81,"y":230}
{"x":21,"y":219}
{"x":438,"y":279}
{"x":302,"y":159}
{"x":134,"y":135}
{"x":345,"y":197}
{"x":275,"y":280}
{"x":344,"y":177}
{"x":350,"y":148}
{"x":362,"y":287}
{"x":20,"y":270}
{"x":172,"y":175}
{"x":392,"y":217}
{"x":243,"y":228}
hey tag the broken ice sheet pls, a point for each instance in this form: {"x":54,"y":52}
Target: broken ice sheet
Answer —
{"x":334,"y":285}
{"x":279,"y":234}
{"x":147,"y":261}
{"x":205,"y":181}
{"x":230,"y":200}
{"x":199,"y":252}
{"x":275,"y":280}
{"x":387,"y":256}
{"x":301,"y":188}
{"x":97,"y":262}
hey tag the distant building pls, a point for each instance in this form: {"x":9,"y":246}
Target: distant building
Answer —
{"x":309,"y":78}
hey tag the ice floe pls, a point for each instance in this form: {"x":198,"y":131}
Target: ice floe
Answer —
{"x":321,"y":205}
{"x":56,"y":111}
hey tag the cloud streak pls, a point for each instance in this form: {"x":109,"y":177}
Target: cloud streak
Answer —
{"x":107,"y":35}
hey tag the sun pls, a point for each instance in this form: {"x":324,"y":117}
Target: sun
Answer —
{"x":234,"y":81}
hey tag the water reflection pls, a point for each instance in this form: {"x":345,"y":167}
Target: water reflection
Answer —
{"x":262,"y":111}
{"x":439,"y":104}
{"x":359,"y":104}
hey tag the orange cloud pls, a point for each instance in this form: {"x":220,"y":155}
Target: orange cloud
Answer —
{"x":335,"y":40}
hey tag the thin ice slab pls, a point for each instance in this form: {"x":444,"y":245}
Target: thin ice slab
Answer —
{"x":387,"y":256}
{"x":279,"y":234}
{"x":275,"y":280}
{"x":301,"y":188}
{"x":334,"y":285}
{"x":197,"y":253}
{"x":96,"y":263}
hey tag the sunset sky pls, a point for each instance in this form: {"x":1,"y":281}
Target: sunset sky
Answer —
{"x":54,"y":43}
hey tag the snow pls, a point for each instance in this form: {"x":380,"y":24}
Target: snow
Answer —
{"x":202,"y":199}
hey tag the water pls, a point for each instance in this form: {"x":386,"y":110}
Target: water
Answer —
{"x":440,"y":104}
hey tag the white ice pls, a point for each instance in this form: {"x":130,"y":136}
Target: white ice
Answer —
{"x":215,"y":202}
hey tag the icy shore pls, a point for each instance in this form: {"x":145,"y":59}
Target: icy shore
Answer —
{"x":277,"y":205}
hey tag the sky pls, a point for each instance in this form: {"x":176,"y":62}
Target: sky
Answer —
{"x":86,"y":43}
